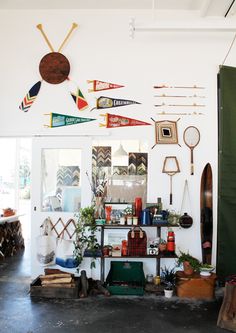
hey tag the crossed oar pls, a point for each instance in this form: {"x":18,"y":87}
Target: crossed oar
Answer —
{"x":54,"y":68}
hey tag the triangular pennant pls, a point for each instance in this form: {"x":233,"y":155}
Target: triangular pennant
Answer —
{"x":101,"y":85}
{"x":79,"y":100}
{"x":30,"y":97}
{"x":113,"y":121}
{"x":107,"y":102}
{"x":58,"y":120}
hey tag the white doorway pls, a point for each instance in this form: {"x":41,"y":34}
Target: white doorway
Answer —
{"x":55,"y":194}
{"x":15,"y":179}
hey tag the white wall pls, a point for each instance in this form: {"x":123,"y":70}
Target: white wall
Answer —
{"x":101,"y":49}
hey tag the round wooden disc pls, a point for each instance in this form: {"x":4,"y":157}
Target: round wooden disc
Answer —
{"x":54,"y":67}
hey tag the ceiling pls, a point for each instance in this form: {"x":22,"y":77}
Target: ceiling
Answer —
{"x":200,"y":8}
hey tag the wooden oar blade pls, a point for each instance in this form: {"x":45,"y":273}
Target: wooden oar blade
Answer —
{"x":79,"y":100}
{"x":30,"y":97}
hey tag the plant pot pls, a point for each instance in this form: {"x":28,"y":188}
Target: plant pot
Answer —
{"x":188,"y":269}
{"x":168,"y":293}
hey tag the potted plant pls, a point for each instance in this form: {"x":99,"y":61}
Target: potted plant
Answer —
{"x":168,"y":278}
{"x":173,"y":217}
{"x":86,"y":215}
{"x":190,"y":263}
{"x":86,"y":241}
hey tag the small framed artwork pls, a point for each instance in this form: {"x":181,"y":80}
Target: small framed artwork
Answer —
{"x":166,"y":132}
{"x":117,"y":210}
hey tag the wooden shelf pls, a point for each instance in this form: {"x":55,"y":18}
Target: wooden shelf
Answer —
{"x":119,"y":226}
{"x":159,"y":256}
{"x":157,"y":227}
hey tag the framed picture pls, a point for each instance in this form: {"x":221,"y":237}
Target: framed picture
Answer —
{"x":166,"y":132}
{"x":117,"y":210}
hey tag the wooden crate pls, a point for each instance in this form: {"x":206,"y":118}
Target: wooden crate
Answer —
{"x":195,"y":286}
{"x":36,"y":290}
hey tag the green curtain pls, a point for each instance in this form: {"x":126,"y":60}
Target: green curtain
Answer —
{"x":226,"y":243}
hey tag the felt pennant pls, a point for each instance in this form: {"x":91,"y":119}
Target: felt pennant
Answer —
{"x":30,"y":97}
{"x":113,"y":120}
{"x":101,"y":85}
{"x":58,"y":120}
{"x":79,"y":100}
{"x":107,"y":102}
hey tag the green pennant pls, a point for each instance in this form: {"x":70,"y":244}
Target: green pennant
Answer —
{"x":58,"y":120}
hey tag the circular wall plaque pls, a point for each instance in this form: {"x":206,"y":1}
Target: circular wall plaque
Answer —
{"x":54,"y":68}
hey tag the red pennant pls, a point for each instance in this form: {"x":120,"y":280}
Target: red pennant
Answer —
{"x":113,"y":121}
{"x":101,"y":85}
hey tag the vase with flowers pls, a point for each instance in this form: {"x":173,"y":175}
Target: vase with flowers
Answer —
{"x":98,"y":186}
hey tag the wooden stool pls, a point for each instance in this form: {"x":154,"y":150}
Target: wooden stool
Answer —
{"x":227,"y":314}
{"x":195,"y":286}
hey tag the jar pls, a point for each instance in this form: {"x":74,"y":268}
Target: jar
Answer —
{"x":149,"y":278}
{"x":157,"y":280}
{"x":135,"y":220}
{"x":122,"y":220}
{"x":129,"y":220}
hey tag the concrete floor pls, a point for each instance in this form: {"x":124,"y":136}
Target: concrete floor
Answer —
{"x":21,"y":314}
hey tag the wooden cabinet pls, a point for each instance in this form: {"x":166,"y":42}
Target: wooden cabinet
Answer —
{"x":195,"y":286}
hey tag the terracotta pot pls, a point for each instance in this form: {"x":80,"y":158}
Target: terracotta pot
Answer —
{"x":188,"y":269}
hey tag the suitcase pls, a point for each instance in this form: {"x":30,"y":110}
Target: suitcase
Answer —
{"x":137,"y":242}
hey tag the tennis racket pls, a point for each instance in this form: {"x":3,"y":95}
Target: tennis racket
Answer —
{"x":191,"y":139}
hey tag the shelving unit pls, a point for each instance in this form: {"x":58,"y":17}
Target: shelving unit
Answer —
{"x":156,"y":257}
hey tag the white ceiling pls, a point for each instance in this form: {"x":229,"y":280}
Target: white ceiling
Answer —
{"x":198,"y":7}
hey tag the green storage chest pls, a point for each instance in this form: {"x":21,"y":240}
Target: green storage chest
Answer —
{"x":126,"y":278}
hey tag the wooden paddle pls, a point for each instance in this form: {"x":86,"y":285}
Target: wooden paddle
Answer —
{"x":40,"y":27}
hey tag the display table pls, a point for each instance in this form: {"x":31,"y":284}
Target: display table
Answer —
{"x":195,"y":286}
{"x":11,"y":239}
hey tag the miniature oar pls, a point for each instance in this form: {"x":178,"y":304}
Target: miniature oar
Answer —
{"x":189,"y":105}
{"x":74,"y":26}
{"x":40,"y":27}
{"x":182,"y":96}
{"x":163,"y":113}
{"x":178,"y":87}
